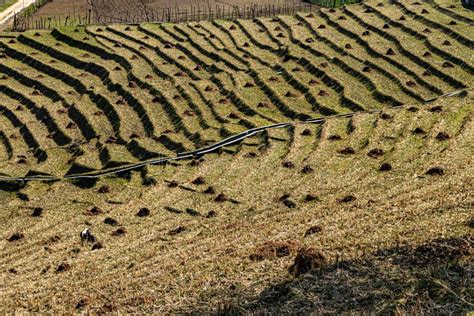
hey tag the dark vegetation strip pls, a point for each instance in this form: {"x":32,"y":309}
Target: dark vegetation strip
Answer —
{"x":368,"y":49}
{"x":444,"y":54}
{"x":376,"y":55}
{"x":238,"y":102}
{"x":137,"y":52}
{"x":272,"y":96}
{"x":158,"y":97}
{"x":328,"y":80}
{"x":41,"y":114}
{"x":241,"y":105}
{"x":205,"y":35}
{"x":140,"y":152}
{"x":376,"y":94}
{"x":173,"y":116}
{"x":164,"y":76}
{"x":7,"y":144}
{"x":450,"y":13}
{"x":157,"y":50}
{"x":103,"y":74}
{"x":209,"y":104}
{"x":446,"y":78}
{"x":25,"y":132}
{"x":197,"y":153}
{"x":210,"y":54}
{"x":76,"y":84}
{"x":402,"y":67}
{"x":315,"y":105}
{"x":73,"y":113}
{"x":458,"y":37}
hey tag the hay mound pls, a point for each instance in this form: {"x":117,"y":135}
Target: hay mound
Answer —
{"x":307,"y":260}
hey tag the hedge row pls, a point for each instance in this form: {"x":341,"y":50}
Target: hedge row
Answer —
{"x":6,"y":143}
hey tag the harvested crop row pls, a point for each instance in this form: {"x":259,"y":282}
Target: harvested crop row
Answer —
{"x":132,"y":93}
{"x":197,"y":212}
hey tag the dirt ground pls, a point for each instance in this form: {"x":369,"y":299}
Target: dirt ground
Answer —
{"x":66,"y":7}
{"x":68,"y":12}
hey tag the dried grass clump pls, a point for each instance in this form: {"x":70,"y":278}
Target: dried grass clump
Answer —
{"x":16,"y":237}
{"x":418,"y":131}
{"x":37,"y":212}
{"x":436,"y":109}
{"x":143,"y":212}
{"x":307,"y":260}
{"x":385,"y":167}
{"x":93,"y":211}
{"x":119,"y":232}
{"x":249,"y":85}
{"x":313,"y":230}
{"x":346,"y":151}
{"x":110,"y":221}
{"x":307,"y":169}
{"x":347,"y":199}
{"x":442,"y":136}
{"x":177,"y":230}
{"x":104,"y":189}
{"x":311,"y":197}
{"x":274,"y":249}
{"x":435,"y":171}
{"x":334,"y":137}
{"x":199,"y":181}
{"x":375,"y":153}
{"x":447,"y":64}
{"x":221,"y":198}
{"x":288,"y":164}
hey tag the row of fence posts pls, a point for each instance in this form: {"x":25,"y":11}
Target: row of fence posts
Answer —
{"x":173,"y":15}
{"x":197,"y":13}
{"x":51,"y":21}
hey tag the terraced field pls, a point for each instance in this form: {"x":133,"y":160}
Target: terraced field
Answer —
{"x":384,"y":193}
{"x":78,"y":100}
{"x":366,"y":156}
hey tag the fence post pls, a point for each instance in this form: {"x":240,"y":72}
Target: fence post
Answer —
{"x":169,"y":14}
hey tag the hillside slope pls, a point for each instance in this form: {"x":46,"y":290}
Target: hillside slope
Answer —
{"x":223,"y":230}
{"x":78,"y":100}
{"x":359,"y":198}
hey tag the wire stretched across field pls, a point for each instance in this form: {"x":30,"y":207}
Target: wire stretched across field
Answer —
{"x":200,"y":152}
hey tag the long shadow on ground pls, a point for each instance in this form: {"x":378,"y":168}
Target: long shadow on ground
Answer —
{"x":434,"y":277}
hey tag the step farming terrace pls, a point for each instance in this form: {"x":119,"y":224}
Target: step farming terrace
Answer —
{"x":241,"y":166}
{"x":154,"y":90}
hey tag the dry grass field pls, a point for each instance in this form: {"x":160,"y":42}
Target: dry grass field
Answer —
{"x":370,"y":212}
